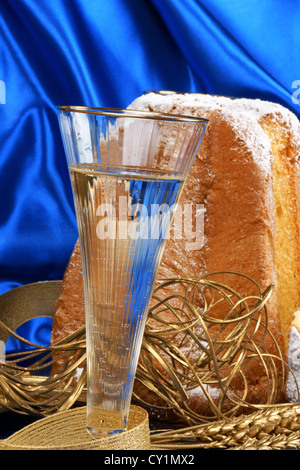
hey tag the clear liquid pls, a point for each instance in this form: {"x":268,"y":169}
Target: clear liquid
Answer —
{"x":123,"y":220}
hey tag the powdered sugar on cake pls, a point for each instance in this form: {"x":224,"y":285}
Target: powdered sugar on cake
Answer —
{"x":197,"y":392}
{"x":293,"y":382}
{"x":241,"y":119}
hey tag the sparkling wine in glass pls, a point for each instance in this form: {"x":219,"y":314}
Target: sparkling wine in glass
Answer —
{"x":127,"y":170}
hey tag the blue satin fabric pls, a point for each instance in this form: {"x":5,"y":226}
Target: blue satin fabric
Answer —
{"x":106,"y":53}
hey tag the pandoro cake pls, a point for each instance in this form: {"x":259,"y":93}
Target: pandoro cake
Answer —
{"x":266,"y":136}
{"x":245,"y":179}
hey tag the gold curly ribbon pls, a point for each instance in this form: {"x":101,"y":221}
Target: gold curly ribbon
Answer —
{"x":182,"y":325}
{"x":188,"y":347}
{"x":26,"y":388}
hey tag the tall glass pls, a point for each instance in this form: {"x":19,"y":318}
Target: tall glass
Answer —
{"x":127,"y":170}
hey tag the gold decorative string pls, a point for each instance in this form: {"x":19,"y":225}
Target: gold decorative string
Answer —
{"x":25,"y":388}
{"x":188,"y":347}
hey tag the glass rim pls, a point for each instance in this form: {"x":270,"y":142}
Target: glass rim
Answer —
{"x":133,"y":113}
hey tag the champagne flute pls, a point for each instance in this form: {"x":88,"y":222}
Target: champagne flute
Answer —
{"x":127,"y":170}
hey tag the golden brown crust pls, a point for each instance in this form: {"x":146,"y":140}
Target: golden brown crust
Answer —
{"x":69,"y":307}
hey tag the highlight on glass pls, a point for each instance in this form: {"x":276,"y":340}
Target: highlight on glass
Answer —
{"x":127,"y":170}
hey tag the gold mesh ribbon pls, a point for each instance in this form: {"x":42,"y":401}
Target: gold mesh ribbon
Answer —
{"x":67,"y":431}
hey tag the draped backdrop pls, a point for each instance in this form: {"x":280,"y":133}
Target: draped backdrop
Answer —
{"x":106,"y":53}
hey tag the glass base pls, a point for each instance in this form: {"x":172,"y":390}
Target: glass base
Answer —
{"x":104,"y":423}
{"x":105,"y":432}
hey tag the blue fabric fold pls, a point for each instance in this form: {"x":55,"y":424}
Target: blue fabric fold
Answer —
{"x":106,"y":53}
